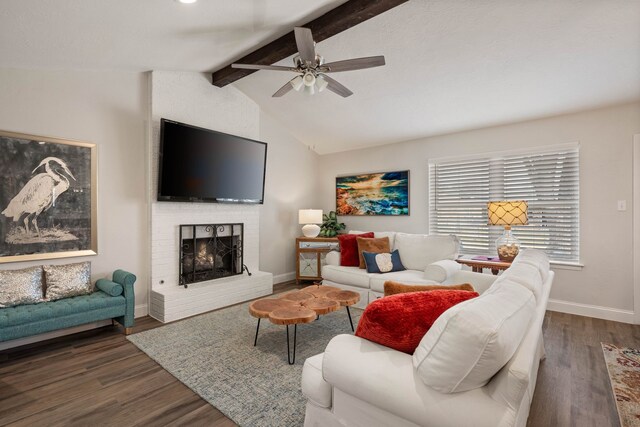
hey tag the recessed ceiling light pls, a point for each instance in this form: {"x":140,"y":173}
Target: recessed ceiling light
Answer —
{"x":186,"y":1}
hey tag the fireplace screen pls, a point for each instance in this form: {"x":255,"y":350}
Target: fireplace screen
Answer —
{"x":210,"y":251}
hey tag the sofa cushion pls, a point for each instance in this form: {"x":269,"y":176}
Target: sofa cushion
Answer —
{"x":400,"y":321}
{"x":67,"y":280}
{"x":349,"y":249}
{"x":314,"y":386}
{"x":24,"y":314}
{"x":377,"y":234}
{"x":393,"y":288}
{"x":409,"y":277}
{"x":535,"y":258}
{"x":374,"y":245}
{"x":417,"y":251}
{"x":523,"y":275}
{"x":473,"y":340}
{"x":21,"y":287}
{"x":351,"y":276}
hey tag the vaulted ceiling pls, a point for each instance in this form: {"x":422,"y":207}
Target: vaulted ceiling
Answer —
{"x":451,"y":65}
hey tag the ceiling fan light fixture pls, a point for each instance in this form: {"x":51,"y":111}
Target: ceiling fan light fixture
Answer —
{"x":297,"y":83}
{"x":321,"y":83}
{"x":311,"y":69}
{"x":309,"y":79}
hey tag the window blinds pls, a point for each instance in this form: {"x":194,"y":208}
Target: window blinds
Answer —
{"x":548,"y":181}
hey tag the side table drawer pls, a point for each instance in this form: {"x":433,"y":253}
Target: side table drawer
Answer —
{"x":319,"y":245}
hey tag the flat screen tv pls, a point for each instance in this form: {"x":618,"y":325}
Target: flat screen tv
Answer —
{"x":202,"y":165}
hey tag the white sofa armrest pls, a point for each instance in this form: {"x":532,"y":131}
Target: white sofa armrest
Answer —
{"x":332,"y":258}
{"x":440,"y":271}
{"x":314,"y":387}
{"x":480,"y":281}
{"x":386,"y":378}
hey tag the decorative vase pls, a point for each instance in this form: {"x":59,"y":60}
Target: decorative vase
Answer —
{"x":311,"y":230}
{"x":507,"y":246}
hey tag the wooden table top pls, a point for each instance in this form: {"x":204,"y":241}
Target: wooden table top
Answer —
{"x":483,"y":263}
{"x":302,"y":306}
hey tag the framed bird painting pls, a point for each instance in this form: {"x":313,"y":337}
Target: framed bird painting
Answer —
{"x":48,"y":198}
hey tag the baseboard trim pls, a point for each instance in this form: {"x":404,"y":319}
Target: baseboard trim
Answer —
{"x":141,"y":310}
{"x":599,"y":312}
{"x":285,"y":277}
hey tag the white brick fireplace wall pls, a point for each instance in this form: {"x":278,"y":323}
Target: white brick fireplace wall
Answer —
{"x":190,"y":98}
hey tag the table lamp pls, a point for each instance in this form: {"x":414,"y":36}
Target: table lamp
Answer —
{"x":508,"y":213}
{"x":311,"y":218}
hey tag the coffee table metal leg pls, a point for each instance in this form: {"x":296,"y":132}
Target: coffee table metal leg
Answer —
{"x":255,"y":341}
{"x":292,"y":359}
{"x":350,"y":321}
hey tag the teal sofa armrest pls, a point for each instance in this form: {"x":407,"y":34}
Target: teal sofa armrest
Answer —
{"x":110,"y":288}
{"x":127,"y":280}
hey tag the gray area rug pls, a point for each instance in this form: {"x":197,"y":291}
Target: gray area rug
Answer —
{"x":213,"y":355}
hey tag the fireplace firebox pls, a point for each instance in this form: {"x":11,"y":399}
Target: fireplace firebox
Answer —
{"x":210,"y":251}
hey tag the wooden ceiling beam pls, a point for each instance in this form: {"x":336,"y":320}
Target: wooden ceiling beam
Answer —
{"x":337,"y":20}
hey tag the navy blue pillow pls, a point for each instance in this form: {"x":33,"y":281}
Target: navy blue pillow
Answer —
{"x":382,"y":263}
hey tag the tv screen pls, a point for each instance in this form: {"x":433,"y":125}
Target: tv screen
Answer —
{"x":202,"y":165}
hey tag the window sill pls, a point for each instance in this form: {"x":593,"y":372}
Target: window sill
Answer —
{"x":565,"y":265}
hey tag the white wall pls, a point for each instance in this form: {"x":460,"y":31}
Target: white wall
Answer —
{"x":605,"y":135}
{"x":291,"y":184}
{"x":191,"y":98}
{"x":109,"y":109}
{"x":291,"y":177}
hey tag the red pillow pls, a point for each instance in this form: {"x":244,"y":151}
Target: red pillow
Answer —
{"x":400,"y":321}
{"x":349,"y":256}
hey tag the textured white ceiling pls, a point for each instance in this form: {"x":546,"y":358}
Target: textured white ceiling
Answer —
{"x":451,"y":64}
{"x":464,"y":64}
{"x":143,"y":34}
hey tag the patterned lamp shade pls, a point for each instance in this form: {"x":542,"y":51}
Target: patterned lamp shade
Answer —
{"x":508,"y":213}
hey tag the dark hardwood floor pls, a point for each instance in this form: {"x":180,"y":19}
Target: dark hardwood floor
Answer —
{"x":99,"y":378}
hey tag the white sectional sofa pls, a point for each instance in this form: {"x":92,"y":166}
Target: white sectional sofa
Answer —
{"x":476,"y":366}
{"x":428,"y":259}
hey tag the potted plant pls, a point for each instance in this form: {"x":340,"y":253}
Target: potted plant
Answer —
{"x":330,"y":226}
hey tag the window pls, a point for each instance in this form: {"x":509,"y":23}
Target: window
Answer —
{"x":547,"y":180}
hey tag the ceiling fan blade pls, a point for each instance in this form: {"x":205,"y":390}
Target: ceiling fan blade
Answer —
{"x":306,"y":46}
{"x":283,"y":90}
{"x":353,"y":64}
{"x":264,"y":67}
{"x":336,"y":87}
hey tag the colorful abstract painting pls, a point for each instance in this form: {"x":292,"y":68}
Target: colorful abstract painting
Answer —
{"x":385,"y":193}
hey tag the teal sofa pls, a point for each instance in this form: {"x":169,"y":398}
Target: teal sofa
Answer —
{"x":113,"y":299}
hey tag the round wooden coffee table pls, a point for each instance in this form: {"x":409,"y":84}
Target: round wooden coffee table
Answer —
{"x":303,"y":306}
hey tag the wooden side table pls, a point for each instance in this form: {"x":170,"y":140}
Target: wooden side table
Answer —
{"x":310,"y":254}
{"x":477,"y":266}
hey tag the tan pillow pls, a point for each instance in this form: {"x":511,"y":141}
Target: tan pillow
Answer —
{"x":377,"y":246}
{"x":392,"y":288}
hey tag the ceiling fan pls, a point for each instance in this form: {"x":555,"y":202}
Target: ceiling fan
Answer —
{"x":313,"y":70}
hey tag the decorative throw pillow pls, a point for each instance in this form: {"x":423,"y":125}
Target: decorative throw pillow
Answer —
{"x":383,"y":262}
{"x":20,"y":287}
{"x":400,"y":321}
{"x":374,"y":245}
{"x":65,"y":281}
{"x":393,"y":288}
{"x":349,"y":248}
